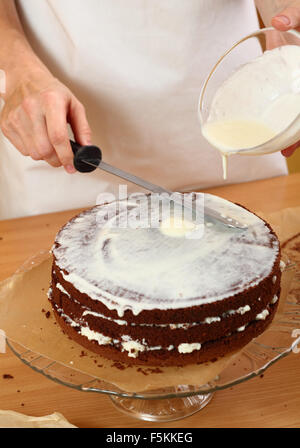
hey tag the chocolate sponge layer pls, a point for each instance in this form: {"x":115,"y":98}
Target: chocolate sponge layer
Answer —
{"x":220,"y":327}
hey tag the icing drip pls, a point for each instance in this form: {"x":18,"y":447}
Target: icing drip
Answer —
{"x":173,"y":326}
{"x":62,"y":289}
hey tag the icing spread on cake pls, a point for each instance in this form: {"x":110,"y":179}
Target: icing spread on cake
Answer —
{"x":143,"y":268}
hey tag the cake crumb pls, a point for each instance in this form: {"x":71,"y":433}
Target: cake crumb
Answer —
{"x":7,"y":376}
{"x":47,"y":314}
{"x":119,"y":365}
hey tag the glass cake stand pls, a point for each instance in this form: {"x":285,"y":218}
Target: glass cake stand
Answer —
{"x":174,"y":403}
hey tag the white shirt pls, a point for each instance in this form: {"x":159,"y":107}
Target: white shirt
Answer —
{"x":138,"y":69}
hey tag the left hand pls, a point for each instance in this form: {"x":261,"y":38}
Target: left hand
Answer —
{"x":288,"y":19}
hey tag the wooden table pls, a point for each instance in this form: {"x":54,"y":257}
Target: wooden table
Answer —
{"x":270,"y":401}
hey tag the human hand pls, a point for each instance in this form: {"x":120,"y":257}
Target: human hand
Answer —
{"x":288,"y":19}
{"x":35,"y":119}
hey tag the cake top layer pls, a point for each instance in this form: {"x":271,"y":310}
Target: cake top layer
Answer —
{"x":149,"y":268}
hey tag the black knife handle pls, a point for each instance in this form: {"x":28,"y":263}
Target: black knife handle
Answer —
{"x":90,"y":153}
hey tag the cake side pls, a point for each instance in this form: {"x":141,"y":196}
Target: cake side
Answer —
{"x":137,"y":351}
{"x":201,"y":330}
{"x":193,"y":340}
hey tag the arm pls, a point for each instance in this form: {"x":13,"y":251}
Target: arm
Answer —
{"x":283,"y":15}
{"x":37,"y":106}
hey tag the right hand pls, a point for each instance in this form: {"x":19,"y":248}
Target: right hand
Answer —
{"x":35,"y":119}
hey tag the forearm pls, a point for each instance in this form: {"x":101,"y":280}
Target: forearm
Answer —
{"x":16,"y":55}
{"x":270,"y":8}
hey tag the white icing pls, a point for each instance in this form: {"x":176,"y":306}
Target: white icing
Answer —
{"x":282,"y":265}
{"x":262,"y":315}
{"x":242,"y":328}
{"x":133,"y":348}
{"x":210,"y":320}
{"x":168,"y":272}
{"x":70,"y":321}
{"x":176,"y":227}
{"x":95,"y":336}
{"x":274,"y":279}
{"x":188,"y":348}
{"x":267,"y":103}
{"x":242,"y":310}
{"x":93,"y":313}
{"x":62,"y":289}
{"x":274,"y":300}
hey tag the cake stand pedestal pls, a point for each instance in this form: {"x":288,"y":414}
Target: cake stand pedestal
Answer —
{"x":163,"y":410}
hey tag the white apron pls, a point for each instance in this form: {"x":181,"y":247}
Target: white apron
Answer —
{"x":137,"y":67}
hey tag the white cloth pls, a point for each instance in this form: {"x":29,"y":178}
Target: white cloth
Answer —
{"x":138,"y":68}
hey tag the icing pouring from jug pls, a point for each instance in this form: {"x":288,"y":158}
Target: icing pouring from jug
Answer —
{"x":254,"y":109}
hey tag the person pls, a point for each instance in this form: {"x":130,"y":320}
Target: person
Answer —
{"x":124,"y":76}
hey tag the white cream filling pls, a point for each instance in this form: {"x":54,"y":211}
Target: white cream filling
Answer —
{"x":188,"y":348}
{"x":282,"y":265}
{"x":134,"y":347}
{"x":262,"y":315}
{"x":242,"y":310}
{"x":95,"y":336}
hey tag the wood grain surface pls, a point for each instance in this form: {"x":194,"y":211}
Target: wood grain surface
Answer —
{"x":272,"y":400}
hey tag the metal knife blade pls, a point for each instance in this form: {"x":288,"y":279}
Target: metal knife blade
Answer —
{"x":214,"y":214}
{"x":88,"y":158}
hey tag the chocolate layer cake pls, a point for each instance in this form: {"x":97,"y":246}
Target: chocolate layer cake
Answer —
{"x":143,"y":296}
